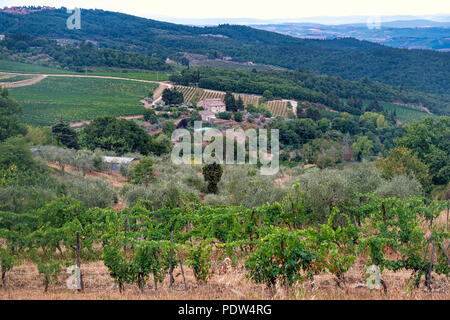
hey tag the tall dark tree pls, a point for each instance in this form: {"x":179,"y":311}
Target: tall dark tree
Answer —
{"x":65,"y":135}
{"x":239,"y":104}
{"x":375,"y":106}
{"x":313,"y":114}
{"x":212,"y":174}
{"x":172,"y":97}
{"x":230,"y":102}
{"x":185,"y":62}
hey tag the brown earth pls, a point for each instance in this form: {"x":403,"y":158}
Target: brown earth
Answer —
{"x":227,"y":282}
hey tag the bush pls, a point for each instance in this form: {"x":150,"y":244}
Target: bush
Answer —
{"x":142,"y":172}
{"x":118,"y":135}
{"x":168,"y":127}
{"x":237,"y":117}
{"x":91,"y":192}
{"x":224,"y":115}
{"x":400,"y":186}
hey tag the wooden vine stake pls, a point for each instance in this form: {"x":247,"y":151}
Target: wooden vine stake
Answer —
{"x":171,"y":279}
{"x":182,"y":271}
{"x":430,"y":268}
{"x":79,"y":262}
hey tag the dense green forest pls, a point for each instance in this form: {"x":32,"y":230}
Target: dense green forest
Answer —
{"x":76,"y":57}
{"x":348,"y":58}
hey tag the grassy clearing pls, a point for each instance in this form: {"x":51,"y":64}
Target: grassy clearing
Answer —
{"x":77,"y":99}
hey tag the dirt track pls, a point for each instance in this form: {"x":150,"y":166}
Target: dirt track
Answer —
{"x":79,"y":76}
{"x":23,"y":83}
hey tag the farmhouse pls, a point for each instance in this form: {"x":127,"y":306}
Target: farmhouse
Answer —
{"x":2,"y":36}
{"x":212,"y":105}
{"x":208,"y":116}
{"x":114,"y":163}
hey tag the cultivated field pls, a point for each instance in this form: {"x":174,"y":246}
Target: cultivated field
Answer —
{"x":15,"y":78}
{"x":11,"y":66}
{"x":194,"y":95}
{"x":77,"y":99}
{"x":405,"y":114}
{"x":278,"y":108}
{"x":152,"y":76}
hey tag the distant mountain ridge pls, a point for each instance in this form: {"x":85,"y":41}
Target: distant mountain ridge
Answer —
{"x":410,"y":34}
{"x":348,"y":58}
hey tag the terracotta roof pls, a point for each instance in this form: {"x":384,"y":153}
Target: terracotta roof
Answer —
{"x":211,"y":103}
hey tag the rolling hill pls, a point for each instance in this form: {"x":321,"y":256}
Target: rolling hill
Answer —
{"x":348,"y":58}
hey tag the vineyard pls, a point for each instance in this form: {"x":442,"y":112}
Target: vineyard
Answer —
{"x":404,"y":113}
{"x":194,"y":95}
{"x":78,"y":99}
{"x":278,"y":108}
{"x":143,"y":249}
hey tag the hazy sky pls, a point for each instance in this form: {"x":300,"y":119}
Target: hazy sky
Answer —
{"x":261,"y":9}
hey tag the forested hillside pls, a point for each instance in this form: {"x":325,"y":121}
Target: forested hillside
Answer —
{"x":301,"y":85}
{"x":75,"y":57}
{"x":349,"y":58}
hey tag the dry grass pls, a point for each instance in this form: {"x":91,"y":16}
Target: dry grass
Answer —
{"x":227,"y":282}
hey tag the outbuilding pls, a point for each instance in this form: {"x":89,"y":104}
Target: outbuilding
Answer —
{"x":114,"y":163}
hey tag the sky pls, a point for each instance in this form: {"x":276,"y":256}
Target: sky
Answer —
{"x":254,"y":9}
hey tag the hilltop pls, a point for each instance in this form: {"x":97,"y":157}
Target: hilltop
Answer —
{"x":348,"y":58}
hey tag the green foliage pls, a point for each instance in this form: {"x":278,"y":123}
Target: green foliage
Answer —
{"x":212,"y":174}
{"x":118,"y":135}
{"x":172,"y":97}
{"x":230,"y":101}
{"x":394,"y":224}
{"x":401,"y":161}
{"x":15,"y":152}
{"x":345,"y":123}
{"x":143,"y":171}
{"x":168,"y":127}
{"x":9,"y":117}
{"x":161,"y":145}
{"x":268,"y":95}
{"x":237,"y":116}
{"x":224,"y":115}
{"x":296,"y":132}
{"x":65,"y":135}
{"x":58,"y":212}
{"x":279,"y":257}
{"x":38,"y":135}
{"x":7,"y":261}
{"x":77,"y":99}
{"x":49,"y":268}
{"x":333,"y":92}
{"x":335,"y":246}
{"x":79,"y":57}
{"x":428,"y":140}
{"x":198,"y":260}
{"x":150,"y":116}
{"x":362,"y":147}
